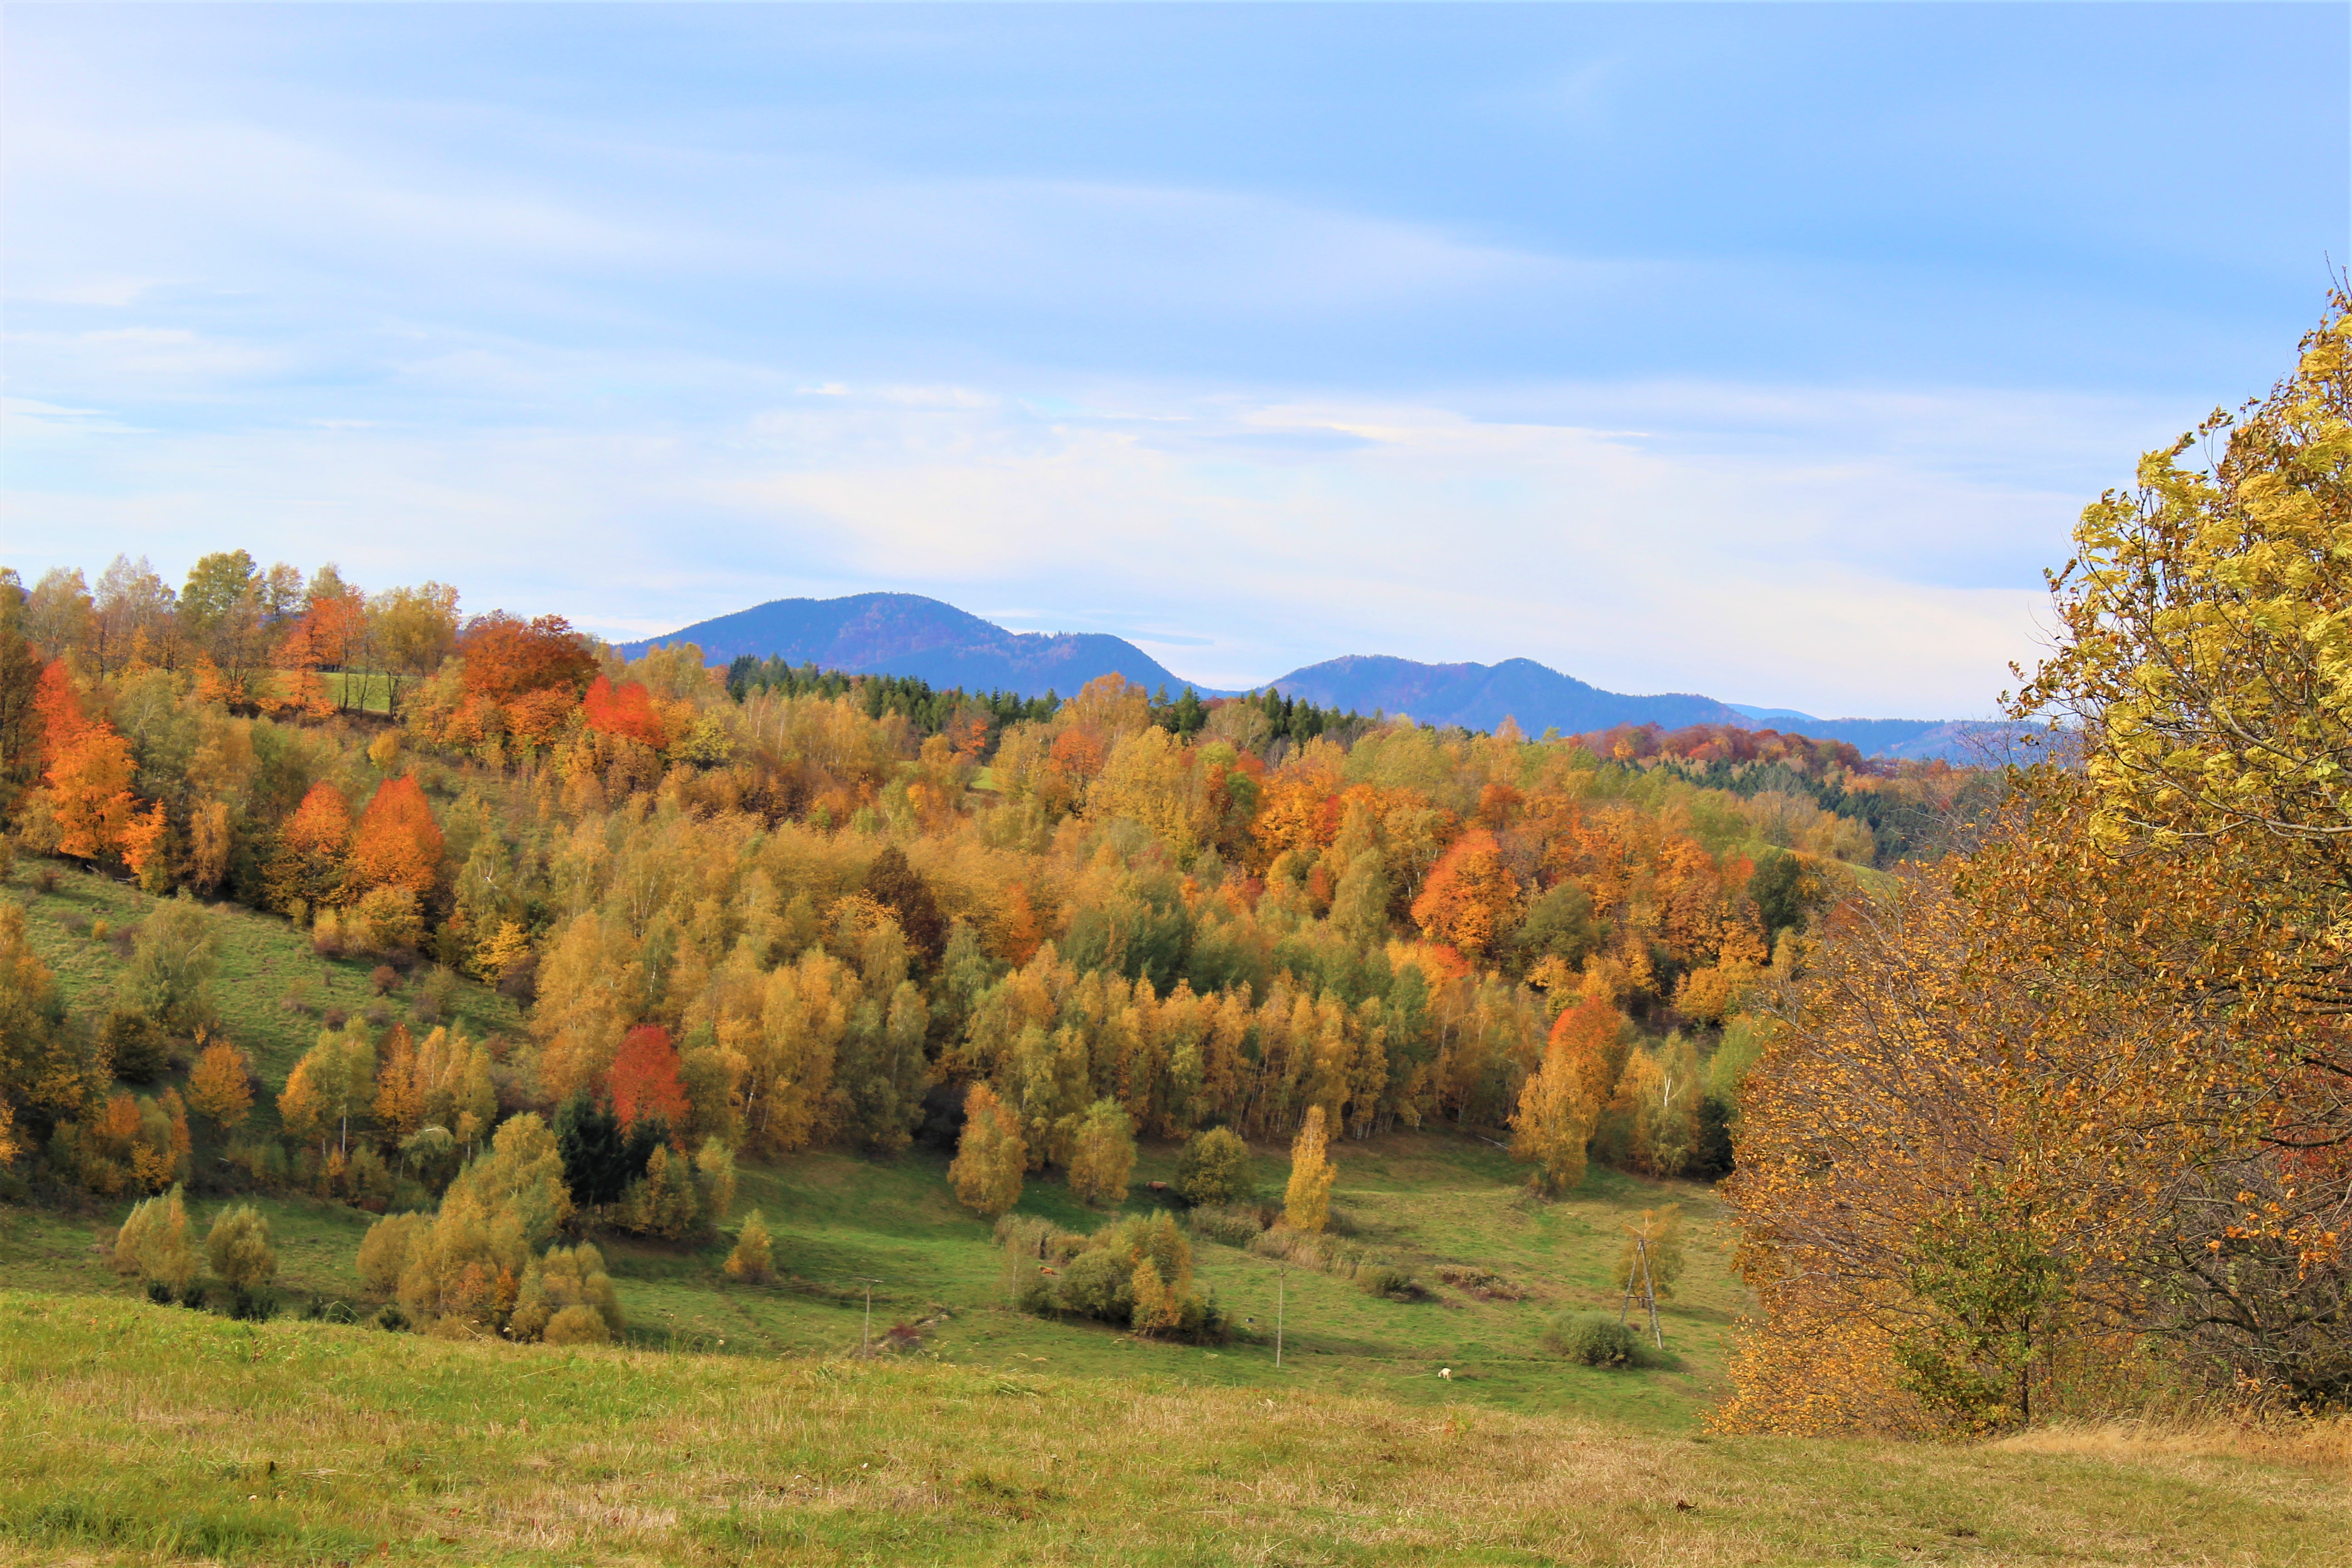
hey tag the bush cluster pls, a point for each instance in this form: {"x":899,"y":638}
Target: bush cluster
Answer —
{"x":1135,"y":1272}
{"x":1373,"y":1273}
{"x":1592,"y":1339}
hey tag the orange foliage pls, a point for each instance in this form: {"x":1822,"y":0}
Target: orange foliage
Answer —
{"x":399,"y":844}
{"x":506,"y":657}
{"x":90,"y":787}
{"x":143,"y":837}
{"x":643,"y":1078}
{"x":1300,"y":812}
{"x":626,"y":711}
{"x":1470,"y":898}
{"x":537,"y":718}
{"x":59,"y":707}
{"x":321,"y":825}
{"x":332,"y":627}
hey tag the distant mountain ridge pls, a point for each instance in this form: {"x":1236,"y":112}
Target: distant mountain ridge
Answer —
{"x":909,"y":633}
{"x":1481,"y":696}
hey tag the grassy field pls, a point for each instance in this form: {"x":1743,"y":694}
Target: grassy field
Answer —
{"x":370,"y":693}
{"x":262,"y":958}
{"x":138,"y":1433}
{"x":838,"y":1221}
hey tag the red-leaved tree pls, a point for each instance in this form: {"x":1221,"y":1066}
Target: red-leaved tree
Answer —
{"x":626,"y":710}
{"x":643,"y":1081}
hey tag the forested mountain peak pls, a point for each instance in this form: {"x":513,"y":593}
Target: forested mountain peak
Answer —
{"x":907,"y":634}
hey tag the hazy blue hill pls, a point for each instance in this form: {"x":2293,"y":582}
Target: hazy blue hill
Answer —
{"x":1479,"y":695}
{"x":1954,"y":739}
{"x":907,"y":633}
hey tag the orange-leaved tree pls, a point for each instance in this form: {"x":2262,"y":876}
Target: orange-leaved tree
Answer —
{"x":643,"y":1081}
{"x":626,"y":711}
{"x":398,"y":843}
{"x":1470,"y":900}
{"x":312,"y":866}
{"x":89,"y":770}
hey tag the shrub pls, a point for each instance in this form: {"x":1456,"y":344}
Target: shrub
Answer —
{"x":439,"y":989}
{"x":1233,"y":1226}
{"x":137,"y":1045}
{"x":385,"y":920}
{"x":383,"y":978}
{"x":383,"y":1251}
{"x":1380,"y":1278}
{"x":253,"y":1306}
{"x":1590,"y":1339}
{"x":1483,"y":1283}
{"x":171,"y":976}
{"x":1213,"y":1169}
{"x":391,"y":1319}
{"x":751,"y":1260}
{"x":239,"y":1251}
{"x":1095,"y":1284}
{"x":153,"y":1243}
{"x":557,"y":1289}
{"x":577,"y":1325}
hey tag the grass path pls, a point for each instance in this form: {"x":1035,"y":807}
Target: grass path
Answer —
{"x":137,"y":1433}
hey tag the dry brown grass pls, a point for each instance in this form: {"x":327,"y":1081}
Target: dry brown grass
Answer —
{"x":2322,"y":1444}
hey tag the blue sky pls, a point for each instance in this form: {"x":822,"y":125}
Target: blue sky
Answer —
{"x":1761,"y":351}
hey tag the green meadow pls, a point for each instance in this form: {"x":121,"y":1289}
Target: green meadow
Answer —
{"x":135,"y":1434}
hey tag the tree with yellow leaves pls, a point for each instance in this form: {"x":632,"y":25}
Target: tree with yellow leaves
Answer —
{"x":990,"y":1156}
{"x":1307,"y":1201}
{"x":221,"y":1087}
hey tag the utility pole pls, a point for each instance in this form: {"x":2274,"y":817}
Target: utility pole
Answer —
{"x":866,"y":1334}
{"x":1281,"y":1281}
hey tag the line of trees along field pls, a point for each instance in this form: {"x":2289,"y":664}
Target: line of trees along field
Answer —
{"x":2035,"y":1083}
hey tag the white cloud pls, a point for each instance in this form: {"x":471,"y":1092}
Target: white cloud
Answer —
{"x":1749,"y":574}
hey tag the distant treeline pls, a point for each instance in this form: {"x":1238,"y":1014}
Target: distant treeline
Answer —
{"x":932,"y":710}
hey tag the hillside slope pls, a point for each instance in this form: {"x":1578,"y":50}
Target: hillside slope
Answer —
{"x":907,"y":633}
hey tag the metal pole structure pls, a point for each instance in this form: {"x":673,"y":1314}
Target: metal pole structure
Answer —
{"x":1281,"y":1278}
{"x":1650,"y":1293}
{"x":866,"y":1334}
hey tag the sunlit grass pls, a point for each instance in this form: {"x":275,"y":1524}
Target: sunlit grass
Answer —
{"x":130,"y":1432}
